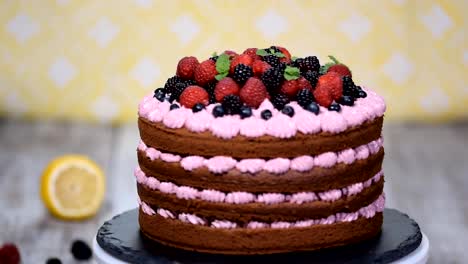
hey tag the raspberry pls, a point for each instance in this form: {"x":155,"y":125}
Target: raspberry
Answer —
{"x":231,"y":104}
{"x":303,"y":83}
{"x":272,"y":60}
{"x":323,"y":96}
{"x":312,"y":77}
{"x":290,"y":88}
{"x":186,"y":67}
{"x":242,"y":73}
{"x":332,"y":82}
{"x":279,"y":101}
{"x":205,"y":72}
{"x":9,"y":254}
{"x":241,"y":59}
{"x":231,"y":53}
{"x":341,"y":69}
{"x":259,"y":67}
{"x":287,"y":55}
{"x":193,"y":95}
{"x":252,"y":52}
{"x":272,"y":78}
{"x":253,"y":93}
{"x":304,"y":97}
{"x":225,"y":87}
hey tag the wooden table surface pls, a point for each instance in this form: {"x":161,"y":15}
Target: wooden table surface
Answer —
{"x":426,"y":169}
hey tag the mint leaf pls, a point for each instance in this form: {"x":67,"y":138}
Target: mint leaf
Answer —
{"x":324,"y":68}
{"x":333,"y":59}
{"x":223,"y":63}
{"x":262,"y":52}
{"x":279,"y":55}
{"x":221,"y":76}
{"x":293,"y":58}
{"x":272,"y":51}
{"x":291,"y":73}
{"x":214,"y":54}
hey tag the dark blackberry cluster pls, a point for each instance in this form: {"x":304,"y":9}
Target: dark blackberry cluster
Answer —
{"x":171,"y":83}
{"x":272,"y":60}
{"x":312,"y":77}
{"x":279,"y":101}
{"x":350,"y":89}
{"x":231,"y":104}
{"x":210,"y":89}
{"x":310,"y":63}
{"x":160,"y":94}
{"x":272,"y":78}
{"x":242,"y":73}
{"x":214,"y":58}
{"x":304,"y":97}
{"x":177,"y":90}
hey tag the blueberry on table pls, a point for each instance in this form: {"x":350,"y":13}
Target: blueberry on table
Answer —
{"x":54,"y":261}
{"x":81,"y":250}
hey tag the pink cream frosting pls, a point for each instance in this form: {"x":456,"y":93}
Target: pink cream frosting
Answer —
{"x":190,"y":193}
{"x":221,"y":164}
{"x":279,"y":125}
{"x":368,"y":211}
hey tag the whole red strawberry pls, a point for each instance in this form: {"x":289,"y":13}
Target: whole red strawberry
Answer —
{"x":193,"y":95}
{"x":290,"y":88}
{"x":323,"y":96}
{"x":9,"y":254}
{"x":254,"y":92}
{"x":259,"y":67}
{"x":205,"y":72}
{"x":341,"y":69}
{"x":333,"y":83}
{"x":186,"y":67}
{"x":225,"y":87}
{"x":252,"y":52}
{"x":287,"y":55}
{"x":240,"y":59}
{"x":304,"y":83}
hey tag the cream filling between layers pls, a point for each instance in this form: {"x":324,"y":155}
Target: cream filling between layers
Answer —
{"x":368,"y":211}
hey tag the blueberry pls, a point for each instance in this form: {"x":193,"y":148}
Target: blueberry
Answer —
{"x":218,"y":111}
{"x":198,"y":107}
{"x":245,"y":111}
{"x":288,"y":110}
{"x":362,"y":94}
{"x":334,"y":107}
{"x":313,"y":107}
{"x":160,"y":94}
{"x":81,"y":250}
{"x":346,"y":100}
{"x":54,"y":261}
{"x":174,"y":106}
{"x":266,"y":114}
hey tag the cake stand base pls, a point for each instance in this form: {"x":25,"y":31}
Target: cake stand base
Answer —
{"x":401,"y":242}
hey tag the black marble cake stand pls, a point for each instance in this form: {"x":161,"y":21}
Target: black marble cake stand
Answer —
{"x":401,"y":242}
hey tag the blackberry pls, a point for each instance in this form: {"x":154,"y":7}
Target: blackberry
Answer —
{"x":311,"y":63}
{"x":272,"y":78}
{"x":245,"y":111}
{"x":266,"y":114}
{"x":214,"y":58}
{"x":359,"y":93}
{"x":346,"y":100}
{"x":313,"y":107}
{"x":171,"y":83}
{"x":304,"y":97}
{"x":218,"y":111}
{"x":177,"y":91}
{"x":279,"y":101}
{"x":160,"y":94}
{"x":349,"y":88}
{"x":210,"y":89}
{"x":272,"y":60}
{"x":231,"y":104}
{"x":198,"y":107}
{"x":312,"y":77}
{"x":334,"y":107}
{"x":242,"y":73}
{"x":81,"y":250}
{"x":288,"y":110}
{"x":173,"y":106}
{"x":297,"y":63}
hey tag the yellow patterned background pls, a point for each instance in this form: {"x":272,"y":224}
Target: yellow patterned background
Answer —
{"x":94,"y":60}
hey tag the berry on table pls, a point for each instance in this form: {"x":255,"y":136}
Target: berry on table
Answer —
{"x":242,"y":73}
{"x":346,"y":100}
{"x":186,"y":67}
{"x":218,"y":111}
{"x":9,"y":254}
{"x":266,"y":114}
{"x":313,"y":107}
{"x":288,"y":110}
{"x":245,"y":111}
{"x":53,"y":261}
{"x":81,"y":250}
{"x":334,"y":107}
{"x":174,"y":106}
{"x":205,"y":72}
{"x":193,"y":95}
{"x":225,"y":87}
{"x":279,"y":101}
{"x":198,"y":107}
{"x":253,"y":93}
{"x":231,"y":104}
{"x":304,"y":97}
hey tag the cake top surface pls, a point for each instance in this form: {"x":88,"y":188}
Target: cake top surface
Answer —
{"x":261,"y":92}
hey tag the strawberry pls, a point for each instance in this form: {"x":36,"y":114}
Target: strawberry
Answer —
{"x":225,"y":87}
{"x":230,"y":53}
{"x":290,"y":88}
{"x":9,"y":254}
{"x":259,"y":67}
{"x":205,"y":72}
{"x":341,"y":69}
{"x":252,"y":52}
{"x":304,"y":83}
{"x":186,"y":67}
{"x":287,"y":55}
{"x":240,"y":59}
{"x":193,"y":95}
{"x":323,"y":96}
{"x":254,"y":92}
{"x":332,"y":82}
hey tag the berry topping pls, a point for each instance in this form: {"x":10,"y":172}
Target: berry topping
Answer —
{"x":290,"y":88}
{"x":218,"y":111}
{"x":231,"y":104}
{"x":160,"y":94}
{"x":323,"y":96}
{"x":205,"y":72}
{"x":310,"y":63}
{"x":346,"y":100}
{"x":252,"y":52}
{"x":81,"y":250}
{"x":171,"y":83}
{"x":348,"y":86}
{"x":241,"y":59}
{"x":53,"y":261}
{"x":360,"y":93}
{"x":186,"y":67}
{"x":259,"y":67}
{"x":210,"y":88}
{"x":312,"y":77}
{"x":304,"y":97}
{"x":337,"y":67}
{"x":9,"y":254}
{"x":288,"y":110}
{"x":303,"y":83}
{"x":272,"y":78}
{"x":332,"y":83}
{"x":266,"y":114}
{"x":174,"y":106}
{"x":245,"y":111}
{"x":177,"y":90}
{"x":313,"y":107}
{"x":198,"y":107}
{"x":279,"y":101}
{"x":214,"y":58}
{"x":242,"y":73}
{"x":225,"y":87}
{"x":334,"y":107}
{"x":287,"y":55}
{"x":193,"y":95}
{"x":272,"y":60}
{"x":231,"y":53}
{"x":253,"y":93}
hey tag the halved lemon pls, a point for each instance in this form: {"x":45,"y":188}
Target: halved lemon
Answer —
{"x":73,"y":187}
